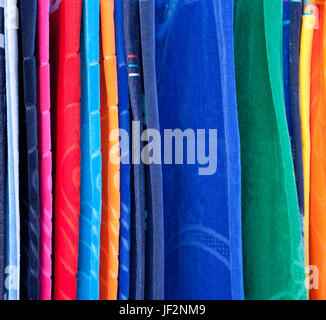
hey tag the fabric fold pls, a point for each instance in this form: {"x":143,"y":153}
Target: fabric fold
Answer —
{"x":124,"y":124}
{"x":154,"y":288}
{"x":3,"y":151}
{"x":307,"y":32}
{"x":110,"y":227}
{"x":286,"y":62}
{"x":317,"y":219}
{"x":65,"y":25}
{"x":28,"y":155}
{"x":45,"y":154}
{"x":272,"y":248}
{"x":137,"y":230}
{"x":202,"y":215}
{"x":12,"y":269}
{"x":90,"y":180}
{"x":296,"y":139}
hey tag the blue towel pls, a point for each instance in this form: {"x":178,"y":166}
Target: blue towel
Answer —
{"x":28,"y":161}
{"x":3,"y":148}
{"x":196,"y":89}
{"x":137,"y":231}
{"x":91,"y":163}
{"x":286,"y":62}
{"x":12,"y":270}
{"x":124,"y":123}
{"x":294,"y":58}
{"x":154,"y":289}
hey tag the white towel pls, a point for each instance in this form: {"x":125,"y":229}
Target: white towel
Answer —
{"x":13,"y":223}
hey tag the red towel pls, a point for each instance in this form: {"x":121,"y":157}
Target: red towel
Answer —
{"x":65,"y":26}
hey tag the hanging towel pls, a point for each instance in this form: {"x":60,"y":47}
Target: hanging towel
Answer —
{"x":202,"y":217}
{"x":308,"y":24}
{"x":286,"y":63}
{"x":154,"y":289}
{"x":45,"y":156}
{"x":12,"y":269}
{"x":295,"y":33}
{"x":132,"y":45}
{"x":66,"y":20}
{"x":3,"y":151}
{"x":317,"y":238}
{"x":124,"y":124}
{"x":110,"y":227}
{"x":28,"y":155}
{"x":90,"y":180}
{"x":272,"y":245}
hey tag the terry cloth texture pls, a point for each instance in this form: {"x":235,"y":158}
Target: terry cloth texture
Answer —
{"x":124,"y":124}
{"x":12,"y":270}
{"x":202,"y":217}
{"x":66,"y":24}
{"x":90,"y":180}
{"x":286,"y":62}
{"x":45,"y":155}
{"x":133,"y":51}
{"x":110,"y":227}
{"x":3,"y":149}
{"x":273,"y":251}
{"x":317,"y":238}
{"x":154,"y":288}
{"x":28,"y":155}
{"x":308,"y":24}
{"x":295,"y":33}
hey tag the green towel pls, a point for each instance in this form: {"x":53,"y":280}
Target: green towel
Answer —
{"x":272,"y":246}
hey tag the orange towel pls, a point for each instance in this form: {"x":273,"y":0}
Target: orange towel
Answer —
{"x":109,"y":262}
{"x":317,"y":241}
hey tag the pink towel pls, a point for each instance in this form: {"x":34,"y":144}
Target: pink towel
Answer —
{"x":45,"y":152}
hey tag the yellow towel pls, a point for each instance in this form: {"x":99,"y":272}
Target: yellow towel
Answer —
{"x":308,"y":23}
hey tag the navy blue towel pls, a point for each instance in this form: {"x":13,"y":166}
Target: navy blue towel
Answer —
{"x":286,"y":62}
{"x":202,"y":202}
{"x":132,"y":47}
{"x":3,"y":148}
{"x":28,"y":161}
{"x":154,"y":288}
{"x":295,"y":34}
{"x":124,"y":124}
